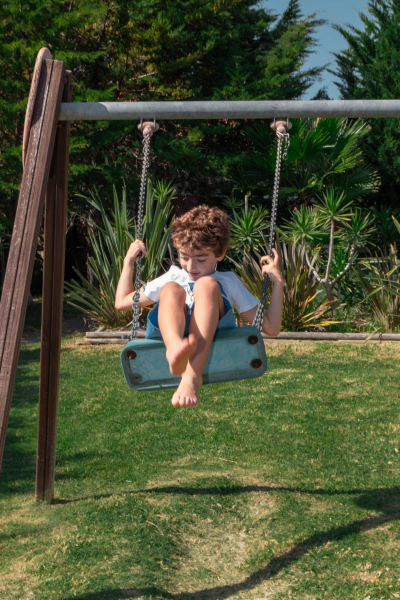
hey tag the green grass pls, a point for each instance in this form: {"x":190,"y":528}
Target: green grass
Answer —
{"x":282,"y":487}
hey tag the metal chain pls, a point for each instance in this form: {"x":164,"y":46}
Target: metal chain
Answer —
{"x":142,"y":196}
{"x":259,"y":317}
{"x":287,"y":144}
{"x":282,"y":137}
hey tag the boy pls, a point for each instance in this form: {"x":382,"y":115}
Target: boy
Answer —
{"x":196,"y":301}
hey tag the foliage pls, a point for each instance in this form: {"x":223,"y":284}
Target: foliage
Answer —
{"x":110,"y":246}
{"x":323,"y":153}
{"x":303,"y":304}
{"x":5,"y":232}
{"x":331,"y":222}
{"x":368,"y":69}
{"x":156,"y":227}
{"x":349,"y":293}
{"x":380,"y":280}
{"x":385,"y":232}
{"x":5,"y":235}
{"x":247,"y":230}
{"x":144,"y":50}
{"x":234,"y":204}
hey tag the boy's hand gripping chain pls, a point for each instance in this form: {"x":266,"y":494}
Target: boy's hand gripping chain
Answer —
{"x":281,"y":128}
{"x":147,"y":129}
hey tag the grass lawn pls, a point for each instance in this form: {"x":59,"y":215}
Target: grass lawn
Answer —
{"x":285,"y":487}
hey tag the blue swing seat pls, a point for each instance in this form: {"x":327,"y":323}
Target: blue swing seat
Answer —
{"x":234,"y":354}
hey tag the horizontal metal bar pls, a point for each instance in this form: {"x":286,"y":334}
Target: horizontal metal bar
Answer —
{"x":245,"y":109}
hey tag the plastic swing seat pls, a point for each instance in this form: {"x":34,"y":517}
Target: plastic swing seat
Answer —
{"x":234,"y":354}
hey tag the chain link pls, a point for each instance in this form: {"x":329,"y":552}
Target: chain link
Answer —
{"x":287,"y":144}
{"x":282,"y":137}
{"x":142,"y":196}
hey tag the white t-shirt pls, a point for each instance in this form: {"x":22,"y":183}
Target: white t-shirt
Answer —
{"x":235,"y":292}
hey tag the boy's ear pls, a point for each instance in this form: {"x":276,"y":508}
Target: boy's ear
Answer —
{"x":222,"y":256}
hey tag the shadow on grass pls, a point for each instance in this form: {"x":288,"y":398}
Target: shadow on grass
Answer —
{"x":219,"y":491}
{"x":18,"y":467}
{"x":386,"y":501}
{"x":19,"y":461}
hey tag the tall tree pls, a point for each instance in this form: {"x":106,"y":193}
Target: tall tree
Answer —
{"x":132,"y":50}
{"x":369,"y":69}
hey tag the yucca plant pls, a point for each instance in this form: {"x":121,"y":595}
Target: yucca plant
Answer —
{"x":156,"y":227}
{"x":110,"y":243}
{"x":304,"y":303}
{"x":234,"y":204}
{"x":349,"y":293}
{"x":335,"y":224}
{"x":380,"y":280}
{"x":247,"y":230}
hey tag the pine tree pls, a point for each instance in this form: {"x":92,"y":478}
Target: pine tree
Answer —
{"x":369,"y":69}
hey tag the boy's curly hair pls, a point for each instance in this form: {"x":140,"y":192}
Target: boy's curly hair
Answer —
{"x":202,"y":227}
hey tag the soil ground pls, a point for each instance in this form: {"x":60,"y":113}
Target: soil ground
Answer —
{"x":69,"y":327}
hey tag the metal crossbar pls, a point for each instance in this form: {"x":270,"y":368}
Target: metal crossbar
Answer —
{"x":245,"y":109}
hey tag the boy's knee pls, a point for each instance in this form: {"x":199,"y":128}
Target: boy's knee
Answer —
{"x":172,"y":288}
{"x":206,"y":285}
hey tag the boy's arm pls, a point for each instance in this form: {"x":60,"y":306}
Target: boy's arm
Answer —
{"x":125,"y":289}
{"x":273,"y":317}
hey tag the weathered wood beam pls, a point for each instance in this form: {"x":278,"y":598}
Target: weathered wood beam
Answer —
{"x":52,"y":306}
{"x":26,"y":229}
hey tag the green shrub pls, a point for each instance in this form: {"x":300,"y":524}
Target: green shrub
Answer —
{"x":379,"y":277}
{"x":110,"y":244}
{"x":304,"y":303}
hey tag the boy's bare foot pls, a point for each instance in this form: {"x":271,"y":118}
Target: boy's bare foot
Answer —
{"x":187,"y":393}
{"x":179,"y":354}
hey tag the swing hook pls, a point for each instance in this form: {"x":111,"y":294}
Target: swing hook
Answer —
{"x":148,"y":127}
{"x":281,"y":127}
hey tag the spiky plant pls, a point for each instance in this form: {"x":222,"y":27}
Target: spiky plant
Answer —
{"x":332,"y":222}
{"x":304,"y":304}
{"x":379,"y":277}
{"x":110,"y":243}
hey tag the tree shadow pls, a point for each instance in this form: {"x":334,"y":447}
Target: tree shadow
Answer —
{"x":18,"y":465}
{"x":385,"y":501}
{"x":215,"y":491}
{"x":19,"y":460}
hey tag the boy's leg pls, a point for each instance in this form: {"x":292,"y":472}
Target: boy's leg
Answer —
{"x":208,"y":309}
{"x":171,"y":321}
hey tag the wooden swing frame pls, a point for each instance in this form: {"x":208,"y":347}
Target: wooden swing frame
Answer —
{"x":45,"y":185}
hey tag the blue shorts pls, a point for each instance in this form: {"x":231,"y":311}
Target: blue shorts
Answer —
{"x":226,"y":322}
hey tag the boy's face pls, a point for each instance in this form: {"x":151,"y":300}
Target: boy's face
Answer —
{"x":198,"y":263}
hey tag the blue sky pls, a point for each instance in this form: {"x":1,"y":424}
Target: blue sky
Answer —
{"x":340,"y":12}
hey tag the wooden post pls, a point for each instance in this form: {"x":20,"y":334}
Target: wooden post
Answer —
{"x":26,"y":229}
{"x":52,"y":307}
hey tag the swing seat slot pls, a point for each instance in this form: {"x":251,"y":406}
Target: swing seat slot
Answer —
{"x":234,"y":354}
